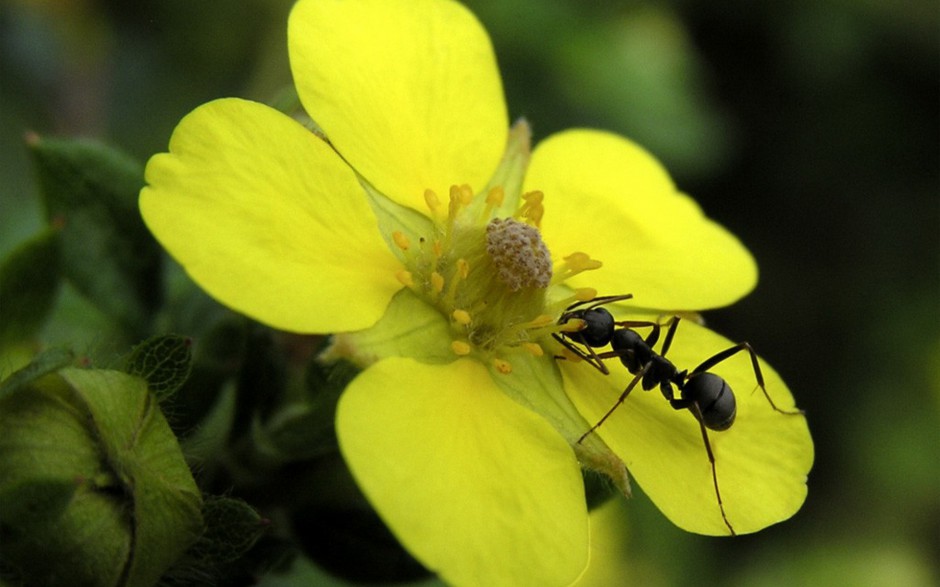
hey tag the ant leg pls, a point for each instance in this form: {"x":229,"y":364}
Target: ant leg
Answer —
{"x":608,"y":300}
{"x":673,"y":325}
{"x":730,"y":352}
{"x":599,"y":301}
{"x":620,"y":400}
{"x":711,"y":459}
{"x":590,"y":357}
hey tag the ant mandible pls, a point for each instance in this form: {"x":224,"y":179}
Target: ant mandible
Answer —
{"x":706,"y":395}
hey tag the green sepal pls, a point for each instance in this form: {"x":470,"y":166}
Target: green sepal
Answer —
{"x":410,"y":327}
{"x":29,"y":281}
{"x":164,"y":362}
{"x":93,"y":486}
{"x":46,"y":362}
{"x":90,"y":191}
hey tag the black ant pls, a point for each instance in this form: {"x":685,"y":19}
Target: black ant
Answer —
{"x":706,"y":395}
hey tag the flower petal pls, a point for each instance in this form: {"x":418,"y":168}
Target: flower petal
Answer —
{"x":266,"y":218}
{"x":607,"y":197}
{"x":762,"y":461}
{"x":408,"y":91}
{"x":479,"y":489}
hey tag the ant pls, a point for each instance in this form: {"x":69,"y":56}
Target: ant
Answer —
{"x":706,"y":395}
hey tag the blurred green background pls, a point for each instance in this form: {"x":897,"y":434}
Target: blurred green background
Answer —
{"x":809,"y":128}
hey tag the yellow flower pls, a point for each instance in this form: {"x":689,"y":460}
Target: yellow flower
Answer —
{"x":462,"y":428}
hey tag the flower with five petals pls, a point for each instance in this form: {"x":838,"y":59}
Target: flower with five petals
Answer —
{"x":417,"y":225}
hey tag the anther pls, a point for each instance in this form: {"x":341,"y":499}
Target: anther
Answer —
{"x":532,"y":210}
{"x":461,"y":317}
{"x":437,"y":282}
{"x":401,"y":241}
{"x":463,"y":268}
{"x":432,"y":201}
{"x":460,"y":348}
{"x":405,"y":278}
{"x":573,"y":264}
{"x":585,"y":294}
{"x":502,"y":366}
{"x":533,"y":349}
{"x":494,"y":199}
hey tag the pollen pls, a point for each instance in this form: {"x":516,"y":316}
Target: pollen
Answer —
{"x":518,"y":253}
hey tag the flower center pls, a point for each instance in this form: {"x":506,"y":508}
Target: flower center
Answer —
{"x":489,"y":275}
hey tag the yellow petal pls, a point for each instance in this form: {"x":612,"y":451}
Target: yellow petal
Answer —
{"x":762,"y":461}
{"x":479,"y":489}
{"x":609,"y":198}
{"x":408,"y":91}
{"x":268,"y":220}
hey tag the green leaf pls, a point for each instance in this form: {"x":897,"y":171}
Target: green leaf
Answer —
{"x":231,"y":528}
{"x":29,"y":280}
{"x":164,"y":362}
{"x":90,"y":191}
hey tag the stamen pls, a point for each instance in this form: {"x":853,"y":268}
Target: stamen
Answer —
{"x":460,"y":197}
{"x":583,"y":294}
{"x":461,"y":348}
{"x":432,"y":201}
{"x":572,"y":265}
{"x":533,"y":349}
{"x":405,"y":278}
{"x":401,"y":241}
{"x":461,"y":272}
{"x":533,"y":209}
{"x":494,"y":199}
{"x":437,"y":282}
{"x":461,"y":317}
{"x":502,"y":366}
{"x":573,"y":325}
{"x":463,"y":268}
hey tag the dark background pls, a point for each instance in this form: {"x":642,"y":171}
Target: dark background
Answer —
{"x":808,"y":128}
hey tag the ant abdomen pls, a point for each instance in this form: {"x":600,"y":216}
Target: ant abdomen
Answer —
{"x":715,"y":400}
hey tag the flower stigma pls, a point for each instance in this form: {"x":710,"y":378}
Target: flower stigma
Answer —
{"x":489,"y":275}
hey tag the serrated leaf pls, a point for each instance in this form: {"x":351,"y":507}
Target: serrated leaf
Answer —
{"x":29,"y":280}
{"x":231,"y":528}
{"x":90,"y":190}
{"x":164,"y":362}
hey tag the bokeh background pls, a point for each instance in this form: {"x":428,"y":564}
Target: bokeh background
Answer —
{"x":808,"y":127}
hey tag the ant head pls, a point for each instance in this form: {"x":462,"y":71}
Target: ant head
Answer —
{"x":598,"y":327}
